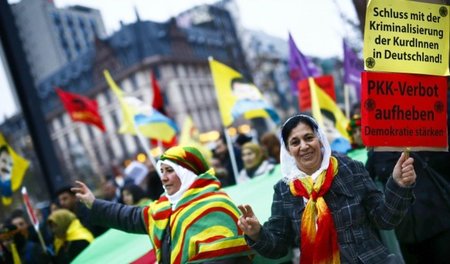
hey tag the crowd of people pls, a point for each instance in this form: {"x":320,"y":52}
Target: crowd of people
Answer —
{"x":331,"y":203}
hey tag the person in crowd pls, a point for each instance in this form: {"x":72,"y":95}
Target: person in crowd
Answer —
{"x":27,"y":241}
{"x":241,"y":139}
{"x":132,"y":194}
{"x":255,"y":163}
{"x":356,"y":109}
{"x":23,"y":244}
{"x":154,"y":187}
{"x":221,"y":172}
{"x":110,"y":190}
{"x":271,"y":145}
{"x":327,"y":204}
{"x":358,"y":150}
{"x":8,"y":248}
{"x":70,"y":236}
{"x":222,"y":153}
{"x":194,"y":220}
{"x":68,"y":200}
{"x":424,"y":233}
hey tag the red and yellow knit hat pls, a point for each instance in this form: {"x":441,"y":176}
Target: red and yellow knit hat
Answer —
{"x":187,"y":157}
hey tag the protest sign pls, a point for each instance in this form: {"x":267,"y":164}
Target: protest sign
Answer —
{"x":407,"y":36}
{"x":404,"y":110}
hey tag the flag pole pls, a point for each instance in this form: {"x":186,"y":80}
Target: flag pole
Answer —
{"x":146,"y":149}
{"x":228,"y":141}
{"x":127,"y":115}
{"x":231,"y":153}
{"x":33,"y":219}
{"x":347,"y":100}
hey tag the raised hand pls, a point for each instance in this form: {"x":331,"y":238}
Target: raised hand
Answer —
{"x":404,"y":173}
{"x":83,"y":193}
{"x":248,"y":222}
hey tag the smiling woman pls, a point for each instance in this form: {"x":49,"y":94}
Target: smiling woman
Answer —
{"x":324,"y":199}
{"x":194,"y":220}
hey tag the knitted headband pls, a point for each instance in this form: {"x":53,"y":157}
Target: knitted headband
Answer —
{"x":187,"y":157}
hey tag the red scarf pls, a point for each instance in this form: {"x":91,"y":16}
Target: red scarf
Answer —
{"x":317,"y":246}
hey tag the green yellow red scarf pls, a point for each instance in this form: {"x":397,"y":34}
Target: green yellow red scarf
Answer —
{"x":317,"y":246}
{"x":203,"y":225}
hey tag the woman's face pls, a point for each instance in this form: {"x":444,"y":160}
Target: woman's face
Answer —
{"x":170,"y":179}
{"x":127,"y":197}
{"x":57,"y":230}
{"x":249,"y":158}
{"x":305,"y":146}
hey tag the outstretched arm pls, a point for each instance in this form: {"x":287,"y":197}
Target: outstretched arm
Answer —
{"x":119,"y":216}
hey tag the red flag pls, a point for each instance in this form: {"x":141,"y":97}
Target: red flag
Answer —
{"x":158,"y":102}
{"x":81,"y":108}
{"x":26,"y":200}
{"x":326,"y":82}
{"x":166,"y":144}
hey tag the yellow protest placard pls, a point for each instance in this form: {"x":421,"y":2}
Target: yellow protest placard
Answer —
{"x":407,"y":36}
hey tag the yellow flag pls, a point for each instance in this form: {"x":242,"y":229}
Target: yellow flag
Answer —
{"x":236,"y":97}
{"x":127,"y":115}
{"x":320,"y":100}
{"x":12,"y":170}
{"x":190,"y":137}
{"x":135,"y":114}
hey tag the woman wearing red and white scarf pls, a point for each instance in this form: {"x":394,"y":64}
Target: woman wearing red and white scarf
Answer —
{"x":326,"y":204}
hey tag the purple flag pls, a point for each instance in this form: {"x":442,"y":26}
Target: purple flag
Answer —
{"x":352,"y":70}
{"x":300,"y":67}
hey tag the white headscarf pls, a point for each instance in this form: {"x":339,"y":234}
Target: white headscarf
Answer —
{"x":186,"y":176}
{"x":289,"y":169}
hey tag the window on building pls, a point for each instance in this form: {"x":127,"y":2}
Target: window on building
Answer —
{"x":115,"y":118}
{"x":93,"y":26}
{"x":56,"y":18}
{"x":108,"y":96}
{"x":134,"y":83}
{"x":69,"y":21}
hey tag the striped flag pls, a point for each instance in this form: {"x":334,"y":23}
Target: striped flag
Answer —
{"x":238,"y":97}
{"x":136,"y":115}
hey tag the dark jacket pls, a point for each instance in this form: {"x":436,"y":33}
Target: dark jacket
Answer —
{"x":430,"y":213}
{"x":357,"y":207}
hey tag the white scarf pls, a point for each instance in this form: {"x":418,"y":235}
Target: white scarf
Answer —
{"x":289,"y":168}
{"x":186,"y":176}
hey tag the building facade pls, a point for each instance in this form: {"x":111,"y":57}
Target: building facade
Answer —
{"x":175,"y":51}
{"x":268,"y":60}
{"x":53,"y":36}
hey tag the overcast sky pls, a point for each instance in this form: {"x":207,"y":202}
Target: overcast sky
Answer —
{"x":315,"y":25}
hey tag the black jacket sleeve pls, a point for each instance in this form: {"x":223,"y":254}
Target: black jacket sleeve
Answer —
{"x":118,"y":216}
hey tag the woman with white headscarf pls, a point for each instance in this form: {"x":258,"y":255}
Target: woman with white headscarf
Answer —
{"x":326,"y":203}
{"x":193,"y":221}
